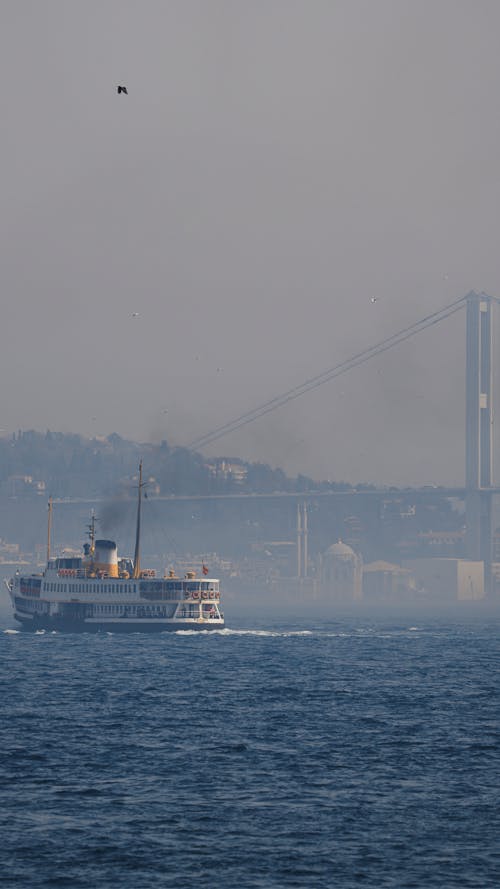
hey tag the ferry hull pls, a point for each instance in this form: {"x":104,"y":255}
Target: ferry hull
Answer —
{"x":66,"y":625}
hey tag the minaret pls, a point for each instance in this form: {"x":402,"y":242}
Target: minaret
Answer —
{"x":299,"y":542}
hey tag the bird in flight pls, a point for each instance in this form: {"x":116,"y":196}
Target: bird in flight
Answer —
{"x":135,"y":314}
{"x":122,"y":89}
{"x":373,"y":299}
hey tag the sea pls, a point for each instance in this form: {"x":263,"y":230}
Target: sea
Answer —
{"x":360,"y":751}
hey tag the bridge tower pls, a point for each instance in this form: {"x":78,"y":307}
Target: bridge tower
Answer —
{"x":479,"y":432}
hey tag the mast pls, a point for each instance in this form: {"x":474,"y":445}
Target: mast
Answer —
{"x":137,"y":554}
{"x":49,"y":528}
{"x":91,"y":534}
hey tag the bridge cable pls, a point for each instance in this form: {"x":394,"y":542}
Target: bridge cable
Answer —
{"x":330,"y":374}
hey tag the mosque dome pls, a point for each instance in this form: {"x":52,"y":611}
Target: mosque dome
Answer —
{"x":340,"y":549}
{"x":342,"y":572}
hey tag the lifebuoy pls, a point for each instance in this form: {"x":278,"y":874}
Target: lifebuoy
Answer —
{"x":195,"y":594}
{"x":204,"y":594}
{"x":212,"y":594}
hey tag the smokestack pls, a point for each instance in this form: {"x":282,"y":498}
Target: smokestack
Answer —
{"x":106,"y":557}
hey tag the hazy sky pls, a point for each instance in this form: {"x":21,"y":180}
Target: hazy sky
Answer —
{"x":275,"y":165}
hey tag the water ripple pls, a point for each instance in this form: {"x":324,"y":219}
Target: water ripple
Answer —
{"x":267,"y":757}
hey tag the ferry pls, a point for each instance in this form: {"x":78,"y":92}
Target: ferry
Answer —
{"x":99,"y":592}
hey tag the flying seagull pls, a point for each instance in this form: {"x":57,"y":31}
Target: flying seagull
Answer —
{"x":135,"y":314}
{"x":373,"y":299}
{"x":122,"y":89}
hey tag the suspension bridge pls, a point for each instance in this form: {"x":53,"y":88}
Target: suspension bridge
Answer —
{"x":479,"y":488}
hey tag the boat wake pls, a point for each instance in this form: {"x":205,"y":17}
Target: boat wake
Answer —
{"x":229,"y":632}
{"x":358,"y":633}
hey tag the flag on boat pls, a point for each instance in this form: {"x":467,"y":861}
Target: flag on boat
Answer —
{"x":204,"y":569}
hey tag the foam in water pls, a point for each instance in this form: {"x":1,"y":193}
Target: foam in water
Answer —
{"x":228,"y":632}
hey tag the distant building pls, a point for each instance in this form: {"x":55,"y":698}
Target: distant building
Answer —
{"x":8,"y":550}
{"x":232,"y":470}
{"x":342,"y":572}
{"x":445,"y":579}
{"x":383,"y":580}
{"x":24,"y":486}
{"x":443,"y":543}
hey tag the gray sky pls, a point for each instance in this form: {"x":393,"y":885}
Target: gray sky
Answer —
{"x":275,"y":165}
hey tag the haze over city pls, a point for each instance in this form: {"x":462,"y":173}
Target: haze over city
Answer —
{"x":285,"y":184}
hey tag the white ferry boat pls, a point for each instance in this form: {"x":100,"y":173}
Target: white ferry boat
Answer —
{"x":100,"y":592}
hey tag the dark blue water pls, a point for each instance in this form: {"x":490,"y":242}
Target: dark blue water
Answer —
{"x":359,"y":755}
